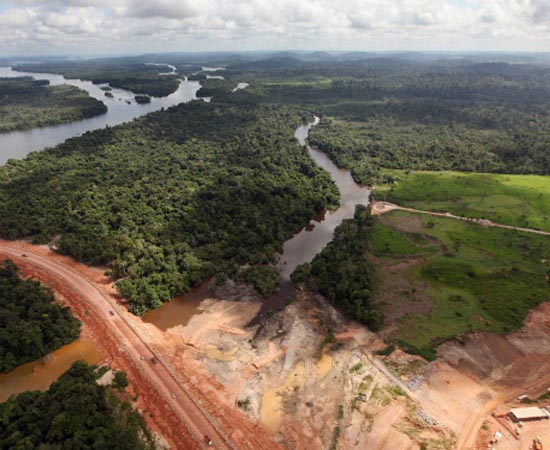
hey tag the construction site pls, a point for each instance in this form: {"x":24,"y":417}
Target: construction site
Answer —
{"x":303,"y":377}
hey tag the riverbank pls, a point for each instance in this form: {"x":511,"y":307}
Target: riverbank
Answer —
{"x":121,"y":108}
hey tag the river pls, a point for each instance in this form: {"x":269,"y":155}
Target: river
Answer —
{"x":304,"y":245}
{"x":300,"y":248}
{"x":121,"y":108}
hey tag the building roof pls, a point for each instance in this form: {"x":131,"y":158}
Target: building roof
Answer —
{"x":530,"y":412}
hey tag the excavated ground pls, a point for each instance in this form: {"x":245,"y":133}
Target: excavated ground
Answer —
{"x":306,"y":378}
{"x":305,"y":375}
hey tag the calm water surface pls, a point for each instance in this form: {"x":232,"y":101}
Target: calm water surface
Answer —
{"x":40,"y":374}
{"x":121,"y":108}
{"x":299,"y":249}
{"x":303,"y":246}
{"x":180,"y":310}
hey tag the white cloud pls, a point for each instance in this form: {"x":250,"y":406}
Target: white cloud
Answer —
{"x":81,"y":26}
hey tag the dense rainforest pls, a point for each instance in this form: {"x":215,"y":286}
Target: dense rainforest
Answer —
{"x":172,"y":197}
{"x":26,"y":103}
{"x":424,"y":115}
{"x":32,"y":323}
{"x":74,"y":413}
{"x":134,"y":76}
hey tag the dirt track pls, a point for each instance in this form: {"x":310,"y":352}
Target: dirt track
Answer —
{"x":378,"y":208}
{"x":182,"y":420}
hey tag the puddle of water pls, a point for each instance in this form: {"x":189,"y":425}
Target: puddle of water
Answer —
{"x":214,"y":352}
{"x":40,"y":374}
{"x":180,"y":310}
{"x":271,"y":411}
{"x":323,"y":366}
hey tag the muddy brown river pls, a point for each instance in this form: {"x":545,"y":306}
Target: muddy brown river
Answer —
{"x":38,"y":375}
{"x":300,"y":248}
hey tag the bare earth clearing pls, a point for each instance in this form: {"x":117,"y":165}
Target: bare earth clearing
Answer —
{"x":124,"y":338}
{"x":306,"y":378}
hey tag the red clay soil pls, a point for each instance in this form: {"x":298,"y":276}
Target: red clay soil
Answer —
{"x":517,"y":363}
{"x":183,"y":421}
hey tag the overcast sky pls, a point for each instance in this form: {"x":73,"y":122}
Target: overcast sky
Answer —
{"x":138,"y":26}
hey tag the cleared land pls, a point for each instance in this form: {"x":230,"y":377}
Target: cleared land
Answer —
{"x":437,"y":278}
{"x":185,"y":419}
{"x":517,"y":200}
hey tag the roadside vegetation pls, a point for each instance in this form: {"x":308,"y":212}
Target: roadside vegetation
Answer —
{"x":517,"y":200}
{"x":123,"y":73}
{"x":74,"y":413}
{"x":26,"y":103}
{"x":32,"y":323}
{"x":171,"y":198}
{"x":472,"y":277}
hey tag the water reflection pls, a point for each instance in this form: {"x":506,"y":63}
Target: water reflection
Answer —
{"x":121,"y":108}
{"x":179,"y":310}
{"x":303,"y":246}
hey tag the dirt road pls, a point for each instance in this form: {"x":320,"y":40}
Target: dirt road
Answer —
{"x":378,"y":208}
{"x":195,"y":421}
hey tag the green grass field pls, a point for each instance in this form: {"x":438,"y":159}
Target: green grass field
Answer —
{"x":517,"y":200}
{"x":386,"y":240}
{"x":478,"y":278}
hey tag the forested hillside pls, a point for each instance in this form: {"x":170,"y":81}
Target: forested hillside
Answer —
{"x":171,"y":198}
{"x":75,"y":413}
{"x":25,"y":104}
{"x":32,"y":324}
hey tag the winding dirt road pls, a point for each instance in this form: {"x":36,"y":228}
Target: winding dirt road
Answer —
{"x":195,"y":421}
{"x":378,"y":208}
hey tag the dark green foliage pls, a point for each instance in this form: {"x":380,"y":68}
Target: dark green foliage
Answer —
{"x":171,"y":198}
{"x":264,"y":278}
{"x":429,"y":354}
{"x":75,"y":413}
{"x":119,"y":73}
{"x":142,"y":99}
{"x":386,"y":351}
{"x":341,"y":271}
{"x":436,"y":115}
{"x":301,"y":274}
{"x":26,"y":103}
{"x":215,"y":88}
{"x":120,"y":381}
{"x":32,"y":324}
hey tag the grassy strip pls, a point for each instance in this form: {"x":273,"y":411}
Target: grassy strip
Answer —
{"x":517,"y":200}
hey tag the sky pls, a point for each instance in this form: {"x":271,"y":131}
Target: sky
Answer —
{"x":95,"y":27}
